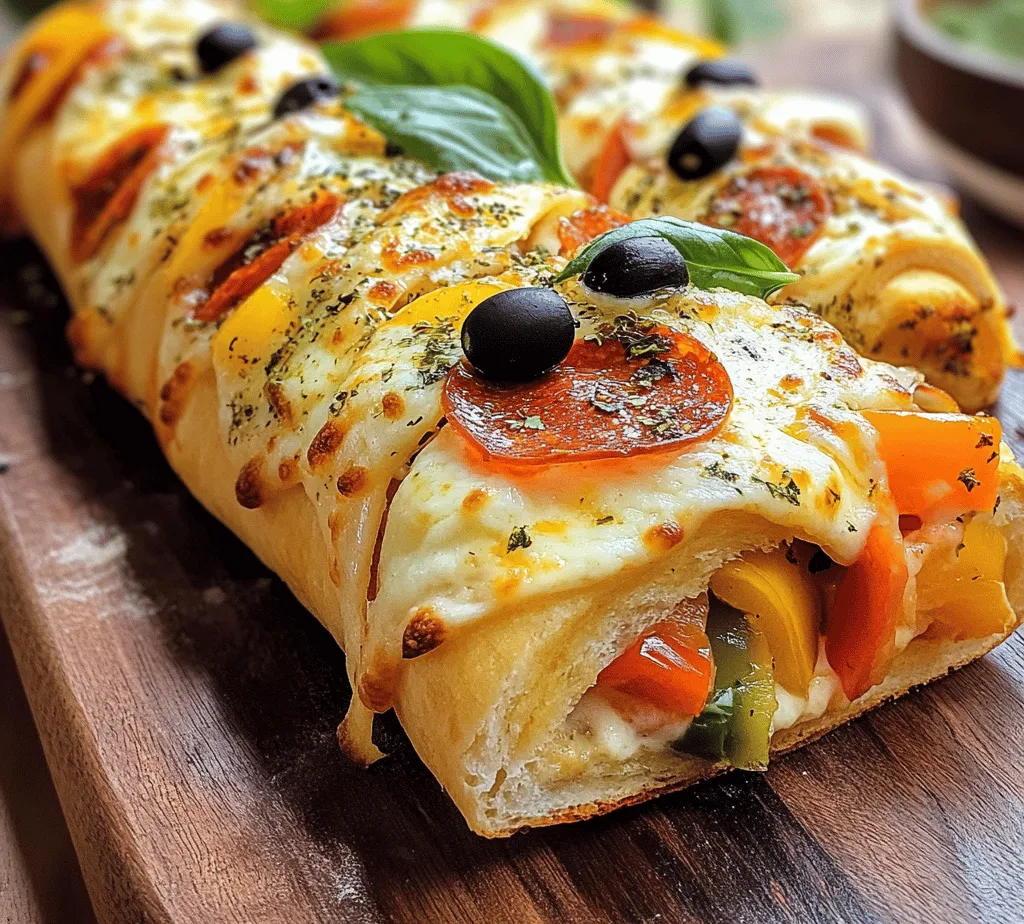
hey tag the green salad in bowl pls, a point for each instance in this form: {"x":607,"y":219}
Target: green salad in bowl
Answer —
{"x":994,"y":25}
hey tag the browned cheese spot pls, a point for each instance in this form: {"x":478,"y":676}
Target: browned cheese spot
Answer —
{"x":352,"y":481}
{"x":377,"y":685}
{"x":383,"y":292}
{"x":335,"y":521}
{"x":281,"y":405}
{"x":424,"y":633}
{"x":288,"y":470}
{"x":325,"y":444}
{"x":394,"y":405}
{"x":175,"y":393}
{"x":335,"y":572}
{"x":664,"y":536}
{"x":248,"y":484}
{"x":216,"y":236}
{"x":474,"y":500}
{"x":248,"y":85}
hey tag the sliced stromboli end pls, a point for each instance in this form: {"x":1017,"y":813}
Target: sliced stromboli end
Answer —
{"x":513,"y":767}
{"x":916,"y":670}
{"x":478,"y":787}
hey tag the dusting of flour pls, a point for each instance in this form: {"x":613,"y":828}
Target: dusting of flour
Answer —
{"x":89,"y":567}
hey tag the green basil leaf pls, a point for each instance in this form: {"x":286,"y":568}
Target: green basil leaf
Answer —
{"x":451,"y":128}
{"x":716,"y":258}
{"x":445,"y":59}
{"x":735,"y":21}
{"x":297,"y":15}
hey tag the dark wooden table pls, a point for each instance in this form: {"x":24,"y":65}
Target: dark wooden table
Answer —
{"x":187,"y":706}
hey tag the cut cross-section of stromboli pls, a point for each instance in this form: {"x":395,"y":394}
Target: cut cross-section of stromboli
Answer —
{"x":522,"y":572}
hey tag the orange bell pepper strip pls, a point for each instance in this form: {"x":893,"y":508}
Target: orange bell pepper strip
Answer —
{"x":862,"y":620}
{"x":362,"y":18}
{"x":669,"y":667}
{"x":613,"y":159}
{"x":939,"y":465}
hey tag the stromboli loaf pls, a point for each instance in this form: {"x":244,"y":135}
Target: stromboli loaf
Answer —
{"x":887,"y":262}
{"x":304,"y":410}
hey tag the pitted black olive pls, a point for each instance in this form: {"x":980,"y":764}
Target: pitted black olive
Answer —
{"x":519,"y":334}
{"x":636,"y":266}
{"x":721,"y":71}
{"x":706,"y":143}
{"x":222,"y":44}
{"x":307,"y":92}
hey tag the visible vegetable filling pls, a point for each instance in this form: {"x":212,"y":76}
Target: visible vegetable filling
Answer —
{"x":787,"y":631}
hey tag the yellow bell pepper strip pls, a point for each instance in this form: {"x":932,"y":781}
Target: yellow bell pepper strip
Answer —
{"x":48,"y":59}
{"x":962,"y":590}
{"x":449,"y":302}
{"x":781,"y":599}
{"x":939,"y":465}
{"x":862,"y":619}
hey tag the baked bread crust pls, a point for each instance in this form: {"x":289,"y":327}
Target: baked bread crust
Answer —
{"x":481,"y":708}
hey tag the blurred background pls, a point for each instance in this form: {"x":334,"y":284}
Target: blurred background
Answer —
{"x":729,"y":19}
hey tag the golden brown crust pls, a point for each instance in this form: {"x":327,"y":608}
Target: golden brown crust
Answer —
{"x":488,"y":697}
{"x":916,"y":669}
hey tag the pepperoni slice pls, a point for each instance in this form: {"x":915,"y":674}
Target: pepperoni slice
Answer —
{"x":632,"y":391}
{"x":575,"y":28}
{"x":583,"y":225}
{"x":262,"y":255}
{"x":108,"y":194}
{"x":782,"y":207}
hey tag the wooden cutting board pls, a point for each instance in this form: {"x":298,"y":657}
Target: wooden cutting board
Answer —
{"x":188,"y":706}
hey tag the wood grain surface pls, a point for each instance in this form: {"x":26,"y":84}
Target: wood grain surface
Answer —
{"x":40,"y":882}
{"x":188,"y":706}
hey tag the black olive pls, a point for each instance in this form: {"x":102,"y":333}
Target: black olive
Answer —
{"x":305,"y":93}
{"x":519,"y":334}
{"x":636,"y":266}
{"x":721,"y":71}
{"x":705,"y":144}
{"x":222,"y":44}
{"x":819,"y":562}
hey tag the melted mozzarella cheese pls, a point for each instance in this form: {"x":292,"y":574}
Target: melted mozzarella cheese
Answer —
{"x":824,"y":687}
{"x":594,"y":724}
{"x":591,"y":521}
